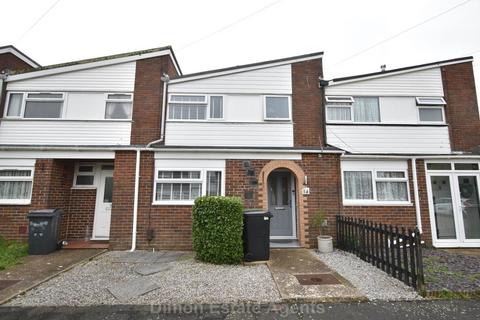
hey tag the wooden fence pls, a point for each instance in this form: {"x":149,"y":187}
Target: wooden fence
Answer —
{"x":395,"y":250}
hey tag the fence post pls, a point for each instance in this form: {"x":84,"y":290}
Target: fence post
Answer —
{"x":413,"y":270}
{"x":418,"y":246}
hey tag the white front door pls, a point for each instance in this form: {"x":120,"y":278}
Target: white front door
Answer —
{"x":454,"y":209}
{"x":103,"y":208}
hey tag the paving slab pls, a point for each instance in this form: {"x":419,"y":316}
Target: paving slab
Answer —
{"x":149,"y":269}
{"x":145,"y":257}
{"x":285,"y":264}
{"x":36,"y":269}
{"x":133,"y":288}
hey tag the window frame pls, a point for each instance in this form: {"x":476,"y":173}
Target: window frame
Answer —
{"x":289,"y":101}
{"x":202,"y":180}
{"x":375,"y":179}
{"x":350,"y":106}
{"x":78,"y":173}
{"x":431,"y":107}
{"x":118,"y":100}
{"x":25,"y":98}
{"x":338,"y":99}
{"x":205,"y":102}
{"x":209,"y":108}
{"x":18,"y":178}
{"x":441,"y":101}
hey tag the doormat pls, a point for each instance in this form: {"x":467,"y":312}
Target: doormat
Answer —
{"x":7,"y":283}
{"x":317,"y":279}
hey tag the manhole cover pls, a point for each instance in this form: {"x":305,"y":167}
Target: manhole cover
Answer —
{"x":317,"y":279}
{"x":7,"y":283}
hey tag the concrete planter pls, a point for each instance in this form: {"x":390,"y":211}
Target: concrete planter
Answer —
{"x":325,"y":244}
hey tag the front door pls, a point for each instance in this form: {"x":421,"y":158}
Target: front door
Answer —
{"x":103,"y":209}
{"x":454,"y":202}
{"x":281,"y":203}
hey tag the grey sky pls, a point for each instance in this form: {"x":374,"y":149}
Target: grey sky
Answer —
{"x":211,"y":34}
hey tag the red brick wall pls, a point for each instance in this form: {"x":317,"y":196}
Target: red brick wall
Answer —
{"x":148,"y":98}
{"x":171,"y":224}
{"x":462,"y":109}
{"x":241,"y":180}
{"x":13,"y":63}
{"x":307,"y":103}
{"x":52,"y":189}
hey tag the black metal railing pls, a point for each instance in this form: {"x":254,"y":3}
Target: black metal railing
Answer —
{"x":395,"y":250}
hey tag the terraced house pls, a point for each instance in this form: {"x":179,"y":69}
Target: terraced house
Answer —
{"x":124,"y":144}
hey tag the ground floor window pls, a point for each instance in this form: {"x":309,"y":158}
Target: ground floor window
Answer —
{"x":16,"y":185}
{"x":374,"y":182}
{"x":183,"y":185}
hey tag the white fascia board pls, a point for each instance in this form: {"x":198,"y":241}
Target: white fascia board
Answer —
{"x":239,"y":150}
{"x":437,"y":65}
{"x":88,"y":65}
{"x":240,"y":69}
{"x":417,"y":156}
{"x":20,"y":56}
{"x":57,"y":155}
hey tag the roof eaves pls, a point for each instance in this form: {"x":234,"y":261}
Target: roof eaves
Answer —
{"x":250,"y":66}
{"x":379,"y":74}
{"x":11,"y":49}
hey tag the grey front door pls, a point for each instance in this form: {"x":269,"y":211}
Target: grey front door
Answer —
{"x":280,"y":204}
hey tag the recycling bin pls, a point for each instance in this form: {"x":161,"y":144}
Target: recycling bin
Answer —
{"x":43,"y":231}
{"x":256,"y":235}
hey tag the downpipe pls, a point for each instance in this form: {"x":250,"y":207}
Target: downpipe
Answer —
{"x":135,"y":202}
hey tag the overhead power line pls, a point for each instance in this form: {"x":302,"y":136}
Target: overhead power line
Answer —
{"x":402,"y":32}
{"x":38,"y":20}
{"x":230,"y":25}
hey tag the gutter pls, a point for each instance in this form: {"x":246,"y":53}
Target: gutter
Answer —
{"x":377,"y":156}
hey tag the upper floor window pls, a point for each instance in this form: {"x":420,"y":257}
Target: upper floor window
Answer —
{"x":353,"y":109}
{"x":195,"y":107}
{"x":118,"y":106}
{"x":43,"y":105}
{"x":187,"y":107}
{"x":277,"y":108}
{"x":431,"y":114}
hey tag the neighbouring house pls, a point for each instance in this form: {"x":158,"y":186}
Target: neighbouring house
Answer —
{"x":125,"y":143}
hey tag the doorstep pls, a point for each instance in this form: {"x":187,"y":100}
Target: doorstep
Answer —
{"x":36,"y":269}
{"x":289,"y":267}
{"x":85,"y":244}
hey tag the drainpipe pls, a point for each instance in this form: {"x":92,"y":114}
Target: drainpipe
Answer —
{"x":415,"y":192}
{"x":135,"y":202}
{"x":165,"y":78}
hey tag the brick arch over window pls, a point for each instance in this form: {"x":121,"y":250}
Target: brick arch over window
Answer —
{"x":301,"y":200}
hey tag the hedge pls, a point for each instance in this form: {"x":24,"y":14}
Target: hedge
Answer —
{"x":217,"y":229}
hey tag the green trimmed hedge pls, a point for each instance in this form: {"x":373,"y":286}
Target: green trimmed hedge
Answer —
{"x":217,"y":229}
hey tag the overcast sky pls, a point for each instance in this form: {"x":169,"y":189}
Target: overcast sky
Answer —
{"x":211,"y":34}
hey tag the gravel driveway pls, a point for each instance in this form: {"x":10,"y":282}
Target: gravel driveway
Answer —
{"x":369,"y":280}
{"x":187,"y":281}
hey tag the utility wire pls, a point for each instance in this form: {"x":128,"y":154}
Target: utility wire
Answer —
{"x":38,"y":20}
{"x":402,"y":32}
{"x":271,"y":4}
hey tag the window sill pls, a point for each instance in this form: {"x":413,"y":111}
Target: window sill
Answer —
{"x":67,"y":120}
{"x":83,"y":188}
{"x":15,"y":203}
{"x":376,"y":204}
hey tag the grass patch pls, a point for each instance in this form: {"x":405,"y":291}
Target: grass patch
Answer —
{"x":11,"y":253}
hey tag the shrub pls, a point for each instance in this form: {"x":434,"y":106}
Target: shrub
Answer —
{"x":217,"y":229}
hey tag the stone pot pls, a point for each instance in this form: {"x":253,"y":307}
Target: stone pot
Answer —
{"x":325,"y":244}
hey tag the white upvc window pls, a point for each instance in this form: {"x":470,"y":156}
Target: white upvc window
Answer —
{"x":118,"y":105}
{"x":187,"y":107}
{"x":182,"y":186}
{"x":430,"y":101}
{"x":216,"y":107}
{"x":16,"y":185}
{"x":84,"y":176}
{"x":35,"y":105}
{"x":347,"y":109}
{"x":371,"y":186}
{"x":277,"y":108}
{"x":431,"y":115}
